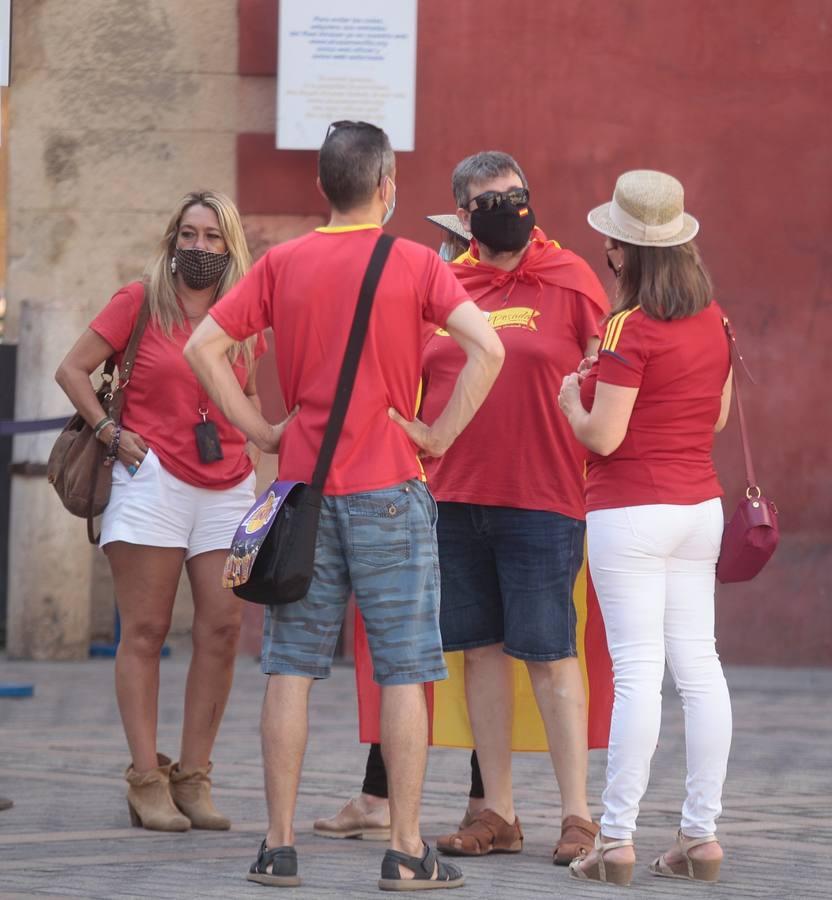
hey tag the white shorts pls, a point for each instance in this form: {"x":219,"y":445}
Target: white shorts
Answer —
{"x":156,"y":509}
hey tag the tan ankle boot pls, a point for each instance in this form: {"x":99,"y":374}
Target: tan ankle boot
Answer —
{"x":149,"y":799}
{"x":191,"y":792}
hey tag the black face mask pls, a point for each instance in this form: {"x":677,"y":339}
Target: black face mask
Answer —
{"x":199,"y":268}
{"x":504,"y":228}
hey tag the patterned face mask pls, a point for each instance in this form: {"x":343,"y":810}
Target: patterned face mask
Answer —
{"x":199,"y":268}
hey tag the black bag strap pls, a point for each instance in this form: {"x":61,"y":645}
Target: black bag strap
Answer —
{"x":352,"y":356}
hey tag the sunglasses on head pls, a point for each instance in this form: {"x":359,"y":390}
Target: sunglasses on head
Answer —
{"x":349,"y":123}
{"x":490,"y":199}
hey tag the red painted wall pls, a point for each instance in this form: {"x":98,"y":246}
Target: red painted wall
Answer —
{"x":735,"y":99}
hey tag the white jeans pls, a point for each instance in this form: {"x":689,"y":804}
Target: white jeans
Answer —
{"x":653,"y":568}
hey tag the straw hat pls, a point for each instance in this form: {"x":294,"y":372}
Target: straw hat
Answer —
{"x":450,"y":222}
{"x":647,"y":209}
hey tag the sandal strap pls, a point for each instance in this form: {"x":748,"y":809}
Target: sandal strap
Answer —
{"x":482,"y":829}
{"x":575,"y":823}
{"x":421,"y":866}
{"x":603,"y":846}
{"x":688,"y":843}
{"x":283,"y":860}
{"x":485,"y":829}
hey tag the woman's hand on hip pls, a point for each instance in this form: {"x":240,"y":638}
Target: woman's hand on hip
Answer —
{"x":131,"y":449}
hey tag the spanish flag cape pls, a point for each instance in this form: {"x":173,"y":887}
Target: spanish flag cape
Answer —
{"x":544,"y":263}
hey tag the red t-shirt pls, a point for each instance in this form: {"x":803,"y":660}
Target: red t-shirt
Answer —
{"x":519,"y":450}
{"x":680,"y":368}
{"x":307,"y":290}
{"x":162,"y":400}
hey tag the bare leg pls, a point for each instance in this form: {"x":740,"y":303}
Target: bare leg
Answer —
{"x":559,"y":690}
{"x":284,"y":728}
{"x":489,"y":689}
{"x":216,"y":630}
{"x":404,"y":743}
{"x":145,"y":583}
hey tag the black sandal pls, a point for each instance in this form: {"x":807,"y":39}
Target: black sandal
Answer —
{"x":447,"y":876}
{"x":284,"y":867}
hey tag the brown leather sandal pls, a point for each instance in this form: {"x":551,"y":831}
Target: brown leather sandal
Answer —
{"x":487,"y":833}
{"x":577,"y":837}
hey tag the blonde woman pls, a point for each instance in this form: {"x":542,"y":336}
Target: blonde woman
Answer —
{"x":182,"y":480}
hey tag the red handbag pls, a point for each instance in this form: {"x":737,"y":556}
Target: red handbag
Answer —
{"x":751,"y":534}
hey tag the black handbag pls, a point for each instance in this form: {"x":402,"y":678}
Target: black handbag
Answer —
{"x":272,"y":556}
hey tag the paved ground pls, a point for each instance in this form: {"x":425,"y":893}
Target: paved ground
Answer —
{"x":62,"y":755}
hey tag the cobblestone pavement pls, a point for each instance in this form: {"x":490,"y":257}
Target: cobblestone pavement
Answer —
{"x":62,"y":755}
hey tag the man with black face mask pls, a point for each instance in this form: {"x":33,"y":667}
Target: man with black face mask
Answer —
{"x":511,"y":505}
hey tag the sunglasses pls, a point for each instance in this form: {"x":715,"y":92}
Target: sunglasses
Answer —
{"x":349,"y":123}
{"x":490,"y":199}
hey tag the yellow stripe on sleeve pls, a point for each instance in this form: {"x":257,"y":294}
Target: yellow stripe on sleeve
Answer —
{"x":616,"y":324}
{"x":611,"y":324}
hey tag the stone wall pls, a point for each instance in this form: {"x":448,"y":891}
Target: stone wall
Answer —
{"x":118,"y":107}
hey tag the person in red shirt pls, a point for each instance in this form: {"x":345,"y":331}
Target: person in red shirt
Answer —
{"x":647,"y":410}
{"x":511,"y":527}
{"x":170,"y":503}
{"x":377,"y":527}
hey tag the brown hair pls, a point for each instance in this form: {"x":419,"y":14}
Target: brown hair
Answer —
{"x":666,"y":282}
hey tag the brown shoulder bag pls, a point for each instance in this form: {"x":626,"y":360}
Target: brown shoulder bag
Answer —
{"x":76,"y":464}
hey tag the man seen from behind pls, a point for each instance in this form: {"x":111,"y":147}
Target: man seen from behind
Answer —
{"x":377,"y":530}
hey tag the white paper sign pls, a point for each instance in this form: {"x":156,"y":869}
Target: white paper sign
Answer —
{"x":345,"y":59}
{"x":5,"y":40}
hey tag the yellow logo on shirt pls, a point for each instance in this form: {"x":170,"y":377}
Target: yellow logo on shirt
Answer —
{"x":512,"y":317}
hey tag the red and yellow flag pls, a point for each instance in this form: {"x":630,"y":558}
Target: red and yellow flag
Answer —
{"x":448,"y":712}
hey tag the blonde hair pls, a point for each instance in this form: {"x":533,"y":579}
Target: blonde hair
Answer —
{"x":165,"y":311}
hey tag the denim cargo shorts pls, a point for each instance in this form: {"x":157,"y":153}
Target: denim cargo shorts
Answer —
{"x":381,"y":545}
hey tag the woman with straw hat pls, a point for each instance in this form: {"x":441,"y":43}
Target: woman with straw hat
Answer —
{"x":647,"y":408}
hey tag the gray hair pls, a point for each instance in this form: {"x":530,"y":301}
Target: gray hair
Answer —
{"x":480,"y":167}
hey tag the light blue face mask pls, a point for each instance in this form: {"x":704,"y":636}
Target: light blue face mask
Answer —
{"x":390,"y":209}
{"x":447,"y":253}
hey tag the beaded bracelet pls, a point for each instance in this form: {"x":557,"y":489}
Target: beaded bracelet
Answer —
{"x":112,"y":449}
{"x":102,"y":425}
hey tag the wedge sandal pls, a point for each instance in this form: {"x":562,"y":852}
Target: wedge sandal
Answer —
{"x":277,"y":867}
{"x":447,"y":876}
{"x":688,"y":867}
{"x":601,"y":870}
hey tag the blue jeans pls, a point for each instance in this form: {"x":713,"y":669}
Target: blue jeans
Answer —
{"x":381,"y":545}
{"x":507,"y":577}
